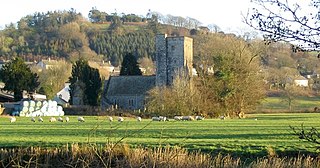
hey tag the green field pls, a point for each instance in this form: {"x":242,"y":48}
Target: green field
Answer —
{"x":241,"y":137}
{"x":279,"y":104}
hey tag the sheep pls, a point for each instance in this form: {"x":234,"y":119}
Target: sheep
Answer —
{"x":40,"y":119}
{"x":187,"y":118}
{"x":120,"y":119}
{"x":52,"y":119}
{"x":110,"y":119}
{"x":60,"y":119}
{"x":222,"y":117}
{"x":67,"y":119}
{"x":139,"y":119}
{"x":177,"y":118}
{"x":162,"y":118}
{"x":33,"y":120}
{"x":199,"y":118}
{"x":155,"y":119}
{"x":80,"y":119}
{"x":13,"y":119}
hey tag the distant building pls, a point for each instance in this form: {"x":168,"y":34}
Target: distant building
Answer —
{"x":46,"y":64}
{"x":301,"y":81}
{"x":63,"y":96}
{"x":173,"y":54}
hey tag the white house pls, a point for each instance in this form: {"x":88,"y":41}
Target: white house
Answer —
{"x":301,"y":81}
{"x":63,"y":96}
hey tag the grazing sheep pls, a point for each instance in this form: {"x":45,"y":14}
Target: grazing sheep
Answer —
{"x":199,"y":118}
{"x":187,"y":118}
{"x":120,"y":119}
{"x":139,"y":119}
{"x":13,"y":119}
{"x":67,"y":119}
{"x":33,"y":119}
{"x":162,"y":118}
{"x":222,"y":117}
{"x":52,"y":119}
{"x":155,"y":119}
{"x":110,"y":119}
{"x":80,"y":119}
{"x":60,"y":119}
{"x":177,"y":118}
{"x":40,"y":119}
{"x":256,"y":119}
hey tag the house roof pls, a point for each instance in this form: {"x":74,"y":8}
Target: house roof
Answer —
{"x":129,"y":85}
{"x":300,"y":78}
{"x":64,"y":94}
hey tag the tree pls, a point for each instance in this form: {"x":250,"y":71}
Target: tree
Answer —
{"x":282,"y":20}
{"x":90,"y":81}
{"x":130,"y":66}
{"x":18,"y":77}
{"x":182,"y":98}
{"x":236,"y":85}
{"x":52,"y":80}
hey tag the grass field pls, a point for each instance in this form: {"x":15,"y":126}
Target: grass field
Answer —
{"x":279,"y":104}
{"x":241,"y":137}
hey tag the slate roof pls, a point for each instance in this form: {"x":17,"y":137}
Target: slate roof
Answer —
{"x":129,"y":85}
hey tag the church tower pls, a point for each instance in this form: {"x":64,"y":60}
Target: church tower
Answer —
{"x":173,"y":54}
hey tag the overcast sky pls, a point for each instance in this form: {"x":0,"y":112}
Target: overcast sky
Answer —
{"x":224,"y":13}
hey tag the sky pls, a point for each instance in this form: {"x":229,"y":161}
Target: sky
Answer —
{"x":224,"y":13}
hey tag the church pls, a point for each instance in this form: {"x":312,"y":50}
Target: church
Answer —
{"x":129,"y":92}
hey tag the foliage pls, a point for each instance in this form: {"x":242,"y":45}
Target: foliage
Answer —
{"x":182,"y":98}
{"x":18,"y":77}
{"x":287,"y":21}
{"x":235,"y":86}
{"x":52,"y":80}
{"x":89,"y":81}
{"x":130,"y":66}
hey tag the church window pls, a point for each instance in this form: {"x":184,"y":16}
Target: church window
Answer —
{"x":130,"y":102}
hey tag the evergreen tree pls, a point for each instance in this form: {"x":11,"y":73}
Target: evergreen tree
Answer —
{"x":18,"y":77}
{"x":130,"y":66}
{"x":89,"y":77}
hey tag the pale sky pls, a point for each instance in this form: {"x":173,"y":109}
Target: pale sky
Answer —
{"x":224,"y":13}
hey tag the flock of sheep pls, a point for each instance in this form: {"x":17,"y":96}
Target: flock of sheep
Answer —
{"x":119,"y":119}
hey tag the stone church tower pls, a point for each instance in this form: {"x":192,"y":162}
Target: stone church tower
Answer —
{"x":173,"y":54}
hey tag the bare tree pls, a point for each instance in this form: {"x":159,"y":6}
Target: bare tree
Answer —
{"x":283,"y":20}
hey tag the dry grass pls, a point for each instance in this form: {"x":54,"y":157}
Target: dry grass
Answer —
{"x":122,"y":156}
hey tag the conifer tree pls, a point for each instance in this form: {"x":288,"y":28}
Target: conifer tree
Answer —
{"x":18,"y":77}
{"x":130,"y":66}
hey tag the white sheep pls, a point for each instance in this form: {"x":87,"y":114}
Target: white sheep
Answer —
{"x":60,"y":119}
{"x":67,"y":119}
{"x":139,"y":119}
{"x":40,"y":119}
{"x":222,"y":117}
{"x":13,"y":119}
{"x":162,"y":118}
{"x":177,"y":118}
{"x":52,"y":119}
{"x":33,"y":119}
{"x":155,"y":119}
{"x":187,"y":118}
{"x":110,"y":119}
{"x":80,"y":119}
{"x":120,"y":119}
{"x":199,"y":118}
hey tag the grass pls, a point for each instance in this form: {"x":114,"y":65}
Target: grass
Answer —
{"x":278,"y":104}
{"x":269,"y":134}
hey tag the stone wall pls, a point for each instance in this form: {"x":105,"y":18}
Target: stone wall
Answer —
{"x":173,"y":54}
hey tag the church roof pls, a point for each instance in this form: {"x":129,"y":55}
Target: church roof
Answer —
{"x":129,"y":85}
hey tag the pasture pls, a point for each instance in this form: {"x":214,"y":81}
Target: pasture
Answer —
{"x":256,"y":135}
